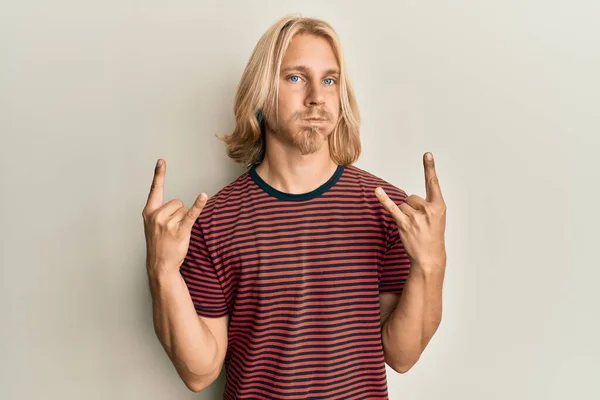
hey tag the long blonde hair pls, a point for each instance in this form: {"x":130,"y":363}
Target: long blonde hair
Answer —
{"x":258,"y":93}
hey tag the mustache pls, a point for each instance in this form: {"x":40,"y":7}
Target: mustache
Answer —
{"x":314,"y":114}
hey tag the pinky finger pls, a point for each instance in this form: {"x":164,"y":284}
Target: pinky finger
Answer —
{"x":194,"y":212}
{"x":390,"y":206}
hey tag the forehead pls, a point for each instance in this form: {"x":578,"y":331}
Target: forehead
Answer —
{"x":313,"y":52}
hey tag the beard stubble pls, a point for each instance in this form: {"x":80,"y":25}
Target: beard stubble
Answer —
{"x":308,"y":140}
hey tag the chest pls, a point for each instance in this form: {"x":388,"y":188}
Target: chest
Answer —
{"x":302,"y":253}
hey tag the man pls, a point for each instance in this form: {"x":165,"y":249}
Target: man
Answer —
{"x":291,"y":275}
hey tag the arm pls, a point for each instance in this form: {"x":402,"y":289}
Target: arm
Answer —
{"x":410,"y":327}
{"x":187,"y":340}
{"x":195,"y":345}
{"x":421,"y":226}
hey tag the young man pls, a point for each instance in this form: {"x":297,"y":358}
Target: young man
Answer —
{"x":291,"y":275}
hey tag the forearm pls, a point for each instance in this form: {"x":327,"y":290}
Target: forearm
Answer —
{"x":417,"y":316}
{"x":189,"y":343}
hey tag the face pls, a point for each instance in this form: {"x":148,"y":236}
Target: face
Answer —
{"x":309,"y":104}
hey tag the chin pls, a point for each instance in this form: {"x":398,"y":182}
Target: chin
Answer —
{"x":310,"y":140}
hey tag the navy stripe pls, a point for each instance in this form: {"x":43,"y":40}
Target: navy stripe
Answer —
{"x":299,"y":304}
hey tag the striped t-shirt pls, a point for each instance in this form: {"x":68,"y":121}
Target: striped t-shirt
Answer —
{"x":300,"y":276}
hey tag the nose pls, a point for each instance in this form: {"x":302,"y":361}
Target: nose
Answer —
{"x":315,"y":95}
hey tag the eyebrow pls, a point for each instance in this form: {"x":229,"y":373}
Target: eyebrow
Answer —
{"x":305,"y":69}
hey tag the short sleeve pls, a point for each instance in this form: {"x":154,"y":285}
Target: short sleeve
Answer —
{"x":396,"y":266}
{"x":396,"y":263}
{"x":200,"y":276}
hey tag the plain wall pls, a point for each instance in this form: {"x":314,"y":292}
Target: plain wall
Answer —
{"x":504,"y":93}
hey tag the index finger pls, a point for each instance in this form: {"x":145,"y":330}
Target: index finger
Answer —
{"x":432,"y":183}
{"x":155,"y":197}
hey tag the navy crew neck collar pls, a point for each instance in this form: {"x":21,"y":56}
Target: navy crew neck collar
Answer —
{"x":295,"y":197}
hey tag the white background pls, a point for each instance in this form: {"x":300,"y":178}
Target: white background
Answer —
{"x":504,"y":93}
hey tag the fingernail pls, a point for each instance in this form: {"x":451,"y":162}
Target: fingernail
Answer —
{"x":379,"y":191}
{"x":159,"y":163}
{"x":429,"y":156}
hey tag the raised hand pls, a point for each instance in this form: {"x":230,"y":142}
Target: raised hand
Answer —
{"x":167,"y":226}
{"x":421,"y":223}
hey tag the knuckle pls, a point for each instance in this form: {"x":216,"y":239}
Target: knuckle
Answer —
{"x":162,"y":218}
{"x":171,"y":224}
{"x":197,"y":205}
{"x":190,"y":213}
{"x":152,"y":217}
{"x":438,"y":208}
{"x":147,"y":217}
{"x":158,"y":221}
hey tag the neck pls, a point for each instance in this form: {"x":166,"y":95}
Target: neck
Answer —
{"x":289,"y":171}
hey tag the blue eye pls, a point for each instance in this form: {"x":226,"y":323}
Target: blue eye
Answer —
{"x":293,"y":76}
{"x":332,"y":81}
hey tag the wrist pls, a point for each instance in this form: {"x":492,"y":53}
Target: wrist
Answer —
{"x":162,"y":272}
{"x":428,"y":268}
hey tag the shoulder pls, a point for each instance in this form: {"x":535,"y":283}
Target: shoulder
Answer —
{"x":229,"y":199}
{"x":368,"y":182}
